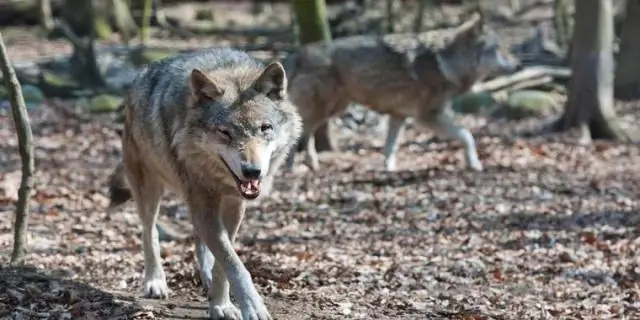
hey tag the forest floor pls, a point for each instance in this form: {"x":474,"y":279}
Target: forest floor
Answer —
{"x":550,"y":229}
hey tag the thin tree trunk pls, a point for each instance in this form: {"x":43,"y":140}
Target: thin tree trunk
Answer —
{"x":515,"y":5}
{"x":124,"y":21}
{"x":418,"y":23}
{"x":146,"y":21}
{"x":46,"y":16}
{"x":391,"y":16}
{"x":562,"y":22}
{"x":25,"y":144}
{"x":627,"y":80}
{"x":79,"y":28}
{"x":311,"y":16}
{"x":590,"y":102}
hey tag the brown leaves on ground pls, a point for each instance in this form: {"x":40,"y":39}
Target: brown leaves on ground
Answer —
{"x":550,"y":229}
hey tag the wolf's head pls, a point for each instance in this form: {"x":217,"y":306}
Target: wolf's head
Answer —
{"x":243,"y":117}
{"x":475,"y":52}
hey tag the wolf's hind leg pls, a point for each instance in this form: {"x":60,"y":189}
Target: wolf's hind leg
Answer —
{"x":147,"y":192}
{"x":444,"y":124}
{"x":395,"y":127}
{"x":311,"y":154}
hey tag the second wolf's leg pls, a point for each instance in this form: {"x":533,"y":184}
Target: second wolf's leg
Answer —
{"x":310,"y":154}
{"x":218,"y":230}
{"x":444,"y":123}
{"x":394,"y":131}
{"x":147,"y":191}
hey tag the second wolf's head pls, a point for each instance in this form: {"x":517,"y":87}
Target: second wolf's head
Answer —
{"x":242,"y":118}
{"x":475,"y":52}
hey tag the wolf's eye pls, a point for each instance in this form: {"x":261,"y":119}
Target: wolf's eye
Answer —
{"x":267,"y":127}
{"x":225,"y":133}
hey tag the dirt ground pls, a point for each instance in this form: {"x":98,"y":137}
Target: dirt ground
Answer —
{"x":548,"y":231}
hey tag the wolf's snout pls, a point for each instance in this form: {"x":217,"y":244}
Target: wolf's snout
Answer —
{"x":251,"y":171}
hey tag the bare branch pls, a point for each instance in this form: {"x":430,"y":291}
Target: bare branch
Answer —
{"x":25,"y":144}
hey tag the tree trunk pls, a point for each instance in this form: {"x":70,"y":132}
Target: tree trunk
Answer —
{"x":562,"y":23}
{"x":46,"y":15}
{"x":145,"y":32}
{"x":627,"y":80}
{"x":123,"y":20}
{"x":311,"y":16}
{"x":25,"y":144}
{"x":418,"y":23}
{"x":515,"y":5}
{"x":590,"y":102}
{"x":80,"y":29}
{"x":391,"y":16}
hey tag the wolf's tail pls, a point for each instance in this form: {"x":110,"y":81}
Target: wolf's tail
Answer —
{"x":119,"y":191}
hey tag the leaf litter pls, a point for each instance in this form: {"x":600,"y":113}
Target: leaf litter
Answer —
{"x":549,"y":229}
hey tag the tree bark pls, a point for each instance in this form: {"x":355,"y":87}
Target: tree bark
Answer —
{"x":311,"y":17}
{"x":418,"y":23}
{"x":80,"y":29}
{"x":627,"y":80}
{"x":590,"y":102}
{"x":562,"y":23}
{"x":25,"y":144}
{"x":46,"y":15}
{"x":123,"y":20}
{"x":145,"y":32}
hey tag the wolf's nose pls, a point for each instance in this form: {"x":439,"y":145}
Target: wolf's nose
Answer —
{"x":251,"y":171}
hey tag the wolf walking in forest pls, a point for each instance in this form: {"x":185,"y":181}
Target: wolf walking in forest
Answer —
{"x":213,"y":126}
{"x":402,"y":75}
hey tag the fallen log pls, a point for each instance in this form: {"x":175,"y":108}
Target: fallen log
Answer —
{"x":534,"y":76}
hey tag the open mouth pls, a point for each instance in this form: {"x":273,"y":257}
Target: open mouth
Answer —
{"x":249,"y":189}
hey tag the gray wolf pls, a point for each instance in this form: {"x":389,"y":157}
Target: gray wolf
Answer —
{"x":402,"y":75}
{"x":213,"y":126}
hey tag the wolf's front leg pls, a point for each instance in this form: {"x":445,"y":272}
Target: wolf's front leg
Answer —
{"x":218,"y":232}
{"x":394,"y":130}
{"x":205,"y":262}
{"x":215,"y":283}
{"x":147,"y":191}
{"x":444,"y":124}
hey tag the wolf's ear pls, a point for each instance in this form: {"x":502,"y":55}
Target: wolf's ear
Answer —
{"x":202,"y":86}
{"x":273,"y":81}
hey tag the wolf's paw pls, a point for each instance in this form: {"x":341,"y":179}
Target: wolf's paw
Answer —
{"x":476,"y":166}
{"x":225,"y":311}
{"x":312,"y":163}
{"x":390,"y":165}
{"x":155,"y":288}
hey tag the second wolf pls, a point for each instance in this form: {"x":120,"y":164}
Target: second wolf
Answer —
{"x":213,"y":127}
{"x":402,"y":75}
